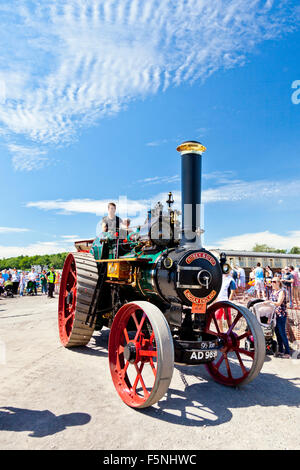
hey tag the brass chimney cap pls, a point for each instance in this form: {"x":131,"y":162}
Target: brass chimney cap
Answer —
{"x":191,"y":146}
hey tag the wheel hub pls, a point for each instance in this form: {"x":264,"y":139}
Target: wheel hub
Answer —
{"x":231,"y":342}
{"x":130,"y":352}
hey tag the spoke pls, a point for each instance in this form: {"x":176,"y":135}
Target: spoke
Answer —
{"x":245,"y":335}
{"x":148,"y":353}
{"x":146,"y":393}
{"x":73,"y":273}
{"x":247,"y":353}
{"x":228,"y":366}
{"x":140,"y":327}
{"x":239,"y":315}
{"x":121,"y":349}
{"x":126,"y":367}
{"x":241,"y":363}
{"x":216,"y":324}
{"x":152,"y":337}
{"x":153,"y":366}
{"x":135,"y":320}
{"x":227,"y":316}
{"x":217,"y":365}
{"x":126,"y":336}
{"x":210,"y":332}
{"x":139,"y":378}
{"x":68,"y":317}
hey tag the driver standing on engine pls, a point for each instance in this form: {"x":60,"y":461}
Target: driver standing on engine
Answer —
{"x":112,"y":221}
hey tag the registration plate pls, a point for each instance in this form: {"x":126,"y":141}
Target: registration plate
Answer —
{"x":199,"y":355}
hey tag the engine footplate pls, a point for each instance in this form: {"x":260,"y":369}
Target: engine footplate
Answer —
{"x":197,"y":352}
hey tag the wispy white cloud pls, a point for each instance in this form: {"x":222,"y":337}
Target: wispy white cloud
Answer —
{"x":247,"y":241}
{"x":232,"y":191}
{"x":13,"y":230}
{"x":70,"y":237}
{"x":89,"y":206}
{"x":157,"y":143}
{"x":38,"y":248}
{"x":238,"y":190}
{"x":95,"y":56}
{"x":28,"y":158}
{"x":160,"y":180}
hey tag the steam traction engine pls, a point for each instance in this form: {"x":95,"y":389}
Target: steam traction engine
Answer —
{"x":155,"y":288}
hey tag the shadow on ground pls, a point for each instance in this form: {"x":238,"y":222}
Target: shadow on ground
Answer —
{"x":98,"y":345}
{"x":40,"y":423}
{"x":209,"y":404}
{"x":206,"y":403}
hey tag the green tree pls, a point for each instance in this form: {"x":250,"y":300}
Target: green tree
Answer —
{"x":25,"y":262}
{"x":295,"y":250}
{"x":267,"y":249}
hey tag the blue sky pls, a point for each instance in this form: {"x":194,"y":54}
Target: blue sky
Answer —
{"x":95,"y":96}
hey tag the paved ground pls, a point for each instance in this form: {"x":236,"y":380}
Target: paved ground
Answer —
{"x":54,"y":398}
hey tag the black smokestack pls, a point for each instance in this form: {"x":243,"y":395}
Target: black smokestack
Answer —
{"x":191,"y":156}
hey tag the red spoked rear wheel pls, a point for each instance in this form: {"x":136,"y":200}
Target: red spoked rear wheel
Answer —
{"x":141,"y":354}
{"x":67,"y":301}
{"x":78,"y":284}
{"x":235,"y":363}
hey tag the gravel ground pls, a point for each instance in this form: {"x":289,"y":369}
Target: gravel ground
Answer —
{"x":55,"y":398}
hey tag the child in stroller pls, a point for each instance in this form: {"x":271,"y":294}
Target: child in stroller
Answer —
{"x":266,"y":316}
{"x":8,"y":288}
{"x":30,"y":288}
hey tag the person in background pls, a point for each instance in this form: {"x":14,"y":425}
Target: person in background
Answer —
{"x":287,"y":281}
{"x":224,"y":295}
{"x":234,"y":274}
{"x":43,"y":278}
{"x":252,"y":276}
{"x":105,"y":233}
{"x":8,"y":286}
{"x":241,"y":280}
{"x":268,"y":279}
{"x":232,"y":289}
{"x":278,"y":298}
{"x":57,"y":281}
{"x":259,"y":281}
{"x":22,"y":283}
{"x":51,"y":282}
{"x":15,"y":280}
{"x":5,"y":275}
{"x":296,"y":285}
{"x":1,"y":284}
{"x":124,"y":229}
{"x":32,"y":276}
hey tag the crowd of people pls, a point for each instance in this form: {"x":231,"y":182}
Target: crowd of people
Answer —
{"x":15,"y":282}
{"x":278,"y":289}
{"x":260,"y":281}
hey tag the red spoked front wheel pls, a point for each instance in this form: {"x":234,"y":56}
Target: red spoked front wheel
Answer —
{"x":235,"y":363}
{"x":141,"y":354}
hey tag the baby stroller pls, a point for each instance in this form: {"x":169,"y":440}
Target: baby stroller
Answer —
{"x":8,"y":289}
{"x":30,"y":288}
{"x":266,"y":316}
